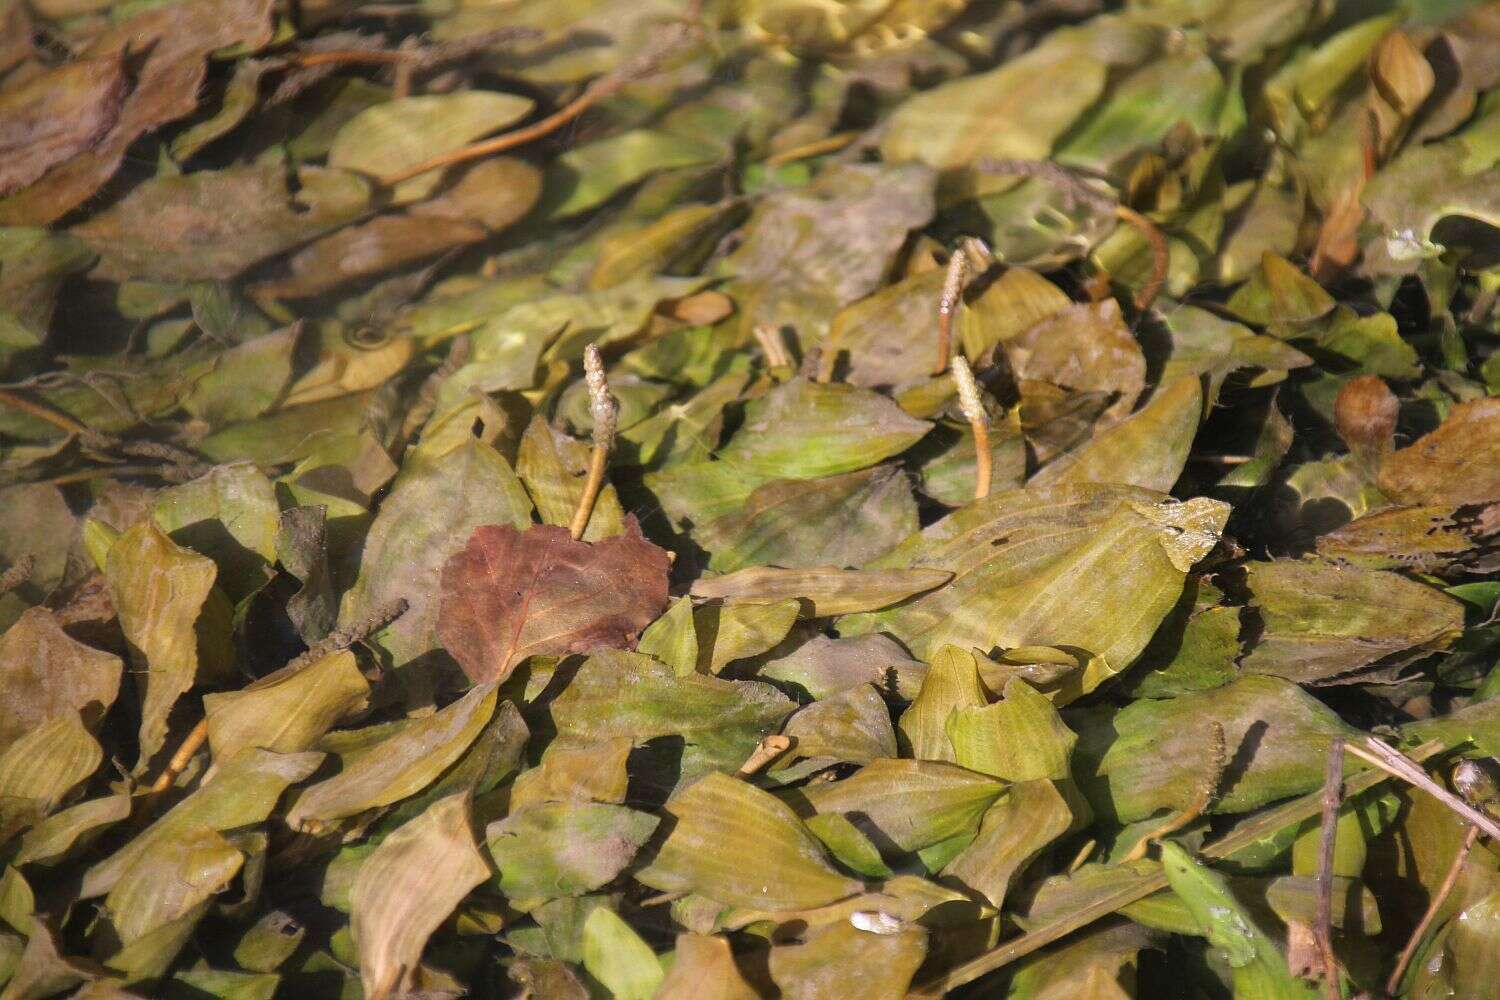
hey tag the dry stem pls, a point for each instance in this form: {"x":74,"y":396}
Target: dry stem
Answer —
{"x":606,"y":412}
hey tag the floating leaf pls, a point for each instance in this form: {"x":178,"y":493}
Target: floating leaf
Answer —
{"x":730,"y":632}
{"x":564,"y":848}
{"x":1020,"y":738}
{"x":908,"y":804}
{"x":44,"y":673}
{"x":1013,"y":832}
{"x":286,"y":712}
{"x":1066,"y":547}
{"x":407,"y":887}
{"x":434,"y":505}
{"x":827,"y":591}
{"x":511,"y":594}
{"x":392,"y":763}
{"x":1254,"y":961}
{"x":742,"y":847}
{"x":835,"y":958}
{"x":703,"y":969}
{"x":159,"y":590}
{"x":617,"y":957}
{"x":1452,"y":464}
{"x":1317,"y":621}
{"x":719,"y":722}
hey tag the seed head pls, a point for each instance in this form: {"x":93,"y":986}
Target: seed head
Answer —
{"x":968,"y":392}
{"x":602,"y":406}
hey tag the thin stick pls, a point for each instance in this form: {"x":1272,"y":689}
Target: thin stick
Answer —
{"x":1160,"y":255}
{"x":1395,"y":763}
{"x":606,"y":412}
{"x":948,"y":303}
{"x":340,"y":639}
{"x":1449,"y":881}
{"x":979,"y":423}
{"x":179,"y":762}
{"x":1333,"y":789}
{"x":604,"y":86}
{"x":335,"y":641}
{"x":769,"y":749}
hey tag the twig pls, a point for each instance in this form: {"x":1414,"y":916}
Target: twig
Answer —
{"x":421,"y":410}
{"x":191,"y":743}
{"x":332,"y":643}
{"x":1397,"y":764}
{"x":18,"y":573}
{"x":605,"y":86}
{"x":351,"y":57}
{"x":1441,"y":897}
{"x":769,"y":749}
{"x":1478,"y":788}
{"x":1333,"y":788}
{"x":979,"y":423}
{"x":54,"y":417}
{"x":339,"y":639}
{"x":1160,"y":255}
{"x":948,"y":303}
{"x":606,"y":414}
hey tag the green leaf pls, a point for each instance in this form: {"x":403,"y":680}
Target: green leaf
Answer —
{"x":617,"y":957}
{"x":159,"y":590}
{"x":387,"y":138}
{"x":807,"y":429}
{"x":1255,"y":963}
{"x":286,"y":712}
{"x":564,"y":848}
{"x":386,"y":764}
{"x":908,"y":804}
{"x":742,"y":847}
{"x":1021,"y":738}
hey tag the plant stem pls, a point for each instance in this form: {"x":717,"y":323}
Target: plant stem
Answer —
{"x":1333,"y":786}
{"x":1444,"y":890}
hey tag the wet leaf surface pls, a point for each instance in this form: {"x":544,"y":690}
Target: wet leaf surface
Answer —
{"x":491,"y":504}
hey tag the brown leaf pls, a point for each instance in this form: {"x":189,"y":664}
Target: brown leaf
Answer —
{"x":57,"y":115}
{"x":1086,"y":348}
{"x":1457,"y":463}
{"x":174,"y":41}
{"x":44,"y":672}
{"x":510,"y":594}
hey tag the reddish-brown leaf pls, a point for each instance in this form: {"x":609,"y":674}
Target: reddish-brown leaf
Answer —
{"x":511,"y":594}
{"x":171,"y":44}
{"x":57,"y":115}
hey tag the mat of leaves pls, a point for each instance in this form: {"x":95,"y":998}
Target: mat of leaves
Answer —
{"x":755,"y":498}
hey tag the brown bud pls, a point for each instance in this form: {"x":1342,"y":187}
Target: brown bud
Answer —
{"x":1365,"y":415}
